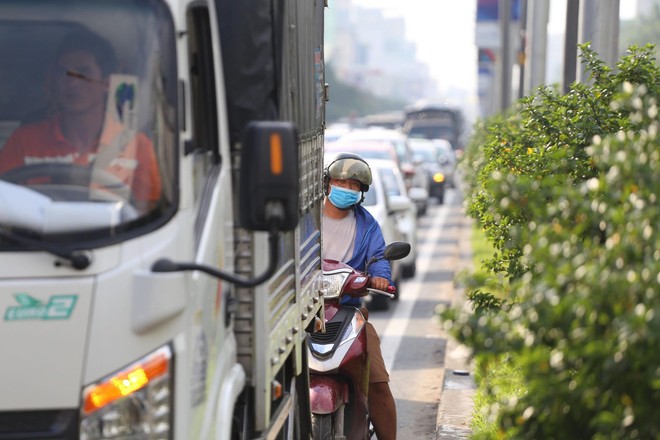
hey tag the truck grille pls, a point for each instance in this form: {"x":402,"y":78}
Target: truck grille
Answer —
{"x":42,"y":425}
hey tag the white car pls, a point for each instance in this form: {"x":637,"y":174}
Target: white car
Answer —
{"x":406,"y":216}
{"x":370,"y":143}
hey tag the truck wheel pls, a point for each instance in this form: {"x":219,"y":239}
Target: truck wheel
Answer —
{"x":322,"y":428}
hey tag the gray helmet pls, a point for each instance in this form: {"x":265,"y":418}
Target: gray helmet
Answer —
{"x":349,"y":166}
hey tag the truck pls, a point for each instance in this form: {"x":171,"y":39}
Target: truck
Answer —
{"x":159,"y":283}
{"x":431,"y":120}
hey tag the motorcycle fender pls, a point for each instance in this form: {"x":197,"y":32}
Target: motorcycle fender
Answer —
{"x":327,"y":394}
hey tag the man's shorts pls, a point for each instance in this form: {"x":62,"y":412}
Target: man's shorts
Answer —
{"x":377,"y":371}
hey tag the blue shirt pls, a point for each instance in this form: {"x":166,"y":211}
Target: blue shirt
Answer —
{"x":369,"y":242}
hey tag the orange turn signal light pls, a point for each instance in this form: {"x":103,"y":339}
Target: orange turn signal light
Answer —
{"x":276,"y":163}
{"x":125,"y":383}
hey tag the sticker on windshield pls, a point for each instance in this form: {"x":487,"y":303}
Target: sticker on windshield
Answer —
{"x":57,"y":307}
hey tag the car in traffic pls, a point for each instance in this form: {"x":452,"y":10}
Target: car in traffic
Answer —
{"x":370,"y":143}
{"x":430,"y":157}
{"x":406,"y":219}
{"x":448,"y":160}
{"x":335,"y":131}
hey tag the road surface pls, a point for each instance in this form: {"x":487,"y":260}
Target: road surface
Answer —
{"x":432,"y":394}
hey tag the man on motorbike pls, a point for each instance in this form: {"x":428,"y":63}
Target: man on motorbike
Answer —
{"x":351,"y":235}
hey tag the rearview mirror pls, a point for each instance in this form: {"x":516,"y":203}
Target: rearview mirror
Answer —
{"x":415,"y":193}
{"x":398,"y":203}
{"x":396,"y":250}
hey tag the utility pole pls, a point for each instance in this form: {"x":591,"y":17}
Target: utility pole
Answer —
{"x":538,"y":15}
{"x":570,"y":43}
{"x":599,"y":25}
{"x":522,"y":50}
{"x":504,"y":17}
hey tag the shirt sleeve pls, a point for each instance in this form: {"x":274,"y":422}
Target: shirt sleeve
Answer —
{"x":380,"y":268}
{"x":376,"y":247}
{"x":10,"y":155}
{"x":147,"y":184}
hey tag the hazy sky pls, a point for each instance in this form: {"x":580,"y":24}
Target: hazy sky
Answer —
{"x":443,"y":31}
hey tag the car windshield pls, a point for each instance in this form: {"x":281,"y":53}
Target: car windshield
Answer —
{"x":87,"y":120}
{"x":431,"y":132}
{"x":390,"y":182}
{"x":402,"y":151}
{"x":370,"y":198}
{"x":425,"y":155}
{"x":372,"y":154}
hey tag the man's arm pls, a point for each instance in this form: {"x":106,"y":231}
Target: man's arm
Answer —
{"x":10,"y":155}
{"x":381,"y":268}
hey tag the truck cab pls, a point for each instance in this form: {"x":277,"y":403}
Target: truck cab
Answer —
{"x":159,"y":217}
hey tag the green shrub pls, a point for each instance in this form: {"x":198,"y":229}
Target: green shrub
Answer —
{"x":523,"y":157}
{"x":567,"y":191}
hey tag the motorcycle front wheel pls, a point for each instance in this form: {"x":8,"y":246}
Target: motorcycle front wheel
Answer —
{"x":322,"y":427}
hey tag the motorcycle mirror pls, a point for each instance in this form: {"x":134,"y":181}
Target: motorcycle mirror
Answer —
{"x":396,"y":250}
{"x":393,"y":251}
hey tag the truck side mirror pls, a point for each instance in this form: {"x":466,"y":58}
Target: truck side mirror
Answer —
{"x":269,"y":179}
{"x":268,"y":195}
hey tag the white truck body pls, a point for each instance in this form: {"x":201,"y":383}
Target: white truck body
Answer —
{"x":96,"y":339}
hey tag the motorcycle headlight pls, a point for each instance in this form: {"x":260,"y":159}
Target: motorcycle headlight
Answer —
{"x":355,"y":327}
{"x":134,"y":403}
{"x":333,"y":282}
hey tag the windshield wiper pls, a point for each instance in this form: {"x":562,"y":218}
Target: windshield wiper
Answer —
{"x":77,"y":258}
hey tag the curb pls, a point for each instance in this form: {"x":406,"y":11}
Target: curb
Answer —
{"x":458,"y":385}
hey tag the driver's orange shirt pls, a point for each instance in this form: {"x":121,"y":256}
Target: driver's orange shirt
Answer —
{"x":43,"y":142}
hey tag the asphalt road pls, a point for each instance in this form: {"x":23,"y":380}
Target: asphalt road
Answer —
{"x":427,"y":367}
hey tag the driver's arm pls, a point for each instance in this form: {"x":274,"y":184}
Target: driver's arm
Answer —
{"x":147,"y":184}
{"x":11,"y":155}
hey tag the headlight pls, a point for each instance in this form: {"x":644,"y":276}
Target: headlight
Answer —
{"x":333,"y":282}
{"x":134,"y":403}
{"x":355,"y":327}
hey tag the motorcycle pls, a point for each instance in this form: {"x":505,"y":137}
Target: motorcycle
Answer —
{"x":337,"y":353}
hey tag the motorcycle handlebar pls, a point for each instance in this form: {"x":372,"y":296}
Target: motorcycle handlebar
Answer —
{"x":389,"y":293}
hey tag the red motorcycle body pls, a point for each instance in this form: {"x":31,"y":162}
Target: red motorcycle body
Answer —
{"x":338,"y":360}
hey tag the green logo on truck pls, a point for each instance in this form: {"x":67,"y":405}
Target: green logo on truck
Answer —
{"x":57,"y":307}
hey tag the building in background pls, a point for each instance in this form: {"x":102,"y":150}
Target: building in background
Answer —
{"x":369,"y":50}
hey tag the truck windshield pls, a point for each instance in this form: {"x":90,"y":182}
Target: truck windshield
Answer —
{"x":87,"y":119}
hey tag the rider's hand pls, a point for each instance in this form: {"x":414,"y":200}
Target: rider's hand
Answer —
{"x":379,"y":283}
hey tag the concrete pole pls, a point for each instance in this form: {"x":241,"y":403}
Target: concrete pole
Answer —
{"x":522,"y":49}
{"x":538,"y":15}
{"x":599,"y":24}
{"x":504,"y":18}
{"x":570,"y":43}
